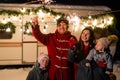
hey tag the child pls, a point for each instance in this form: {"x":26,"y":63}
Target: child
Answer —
{"x":100,"y":60}
{"x":39,"y":72}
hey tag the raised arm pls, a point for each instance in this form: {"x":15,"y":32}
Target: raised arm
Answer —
{"x":43,"y":38}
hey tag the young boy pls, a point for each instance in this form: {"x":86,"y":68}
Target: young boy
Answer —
{"x":39,"y":72}
{"x":100,"y":60}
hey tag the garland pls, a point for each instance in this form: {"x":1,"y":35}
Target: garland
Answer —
{"x":109,"y":29}
{"x":45,"y":10}
{"x":28,"y":11}
{"x":10,"y":25}
{"x":3,"y":27}
{"x":26,"y":26}
{"x":10,"y":12}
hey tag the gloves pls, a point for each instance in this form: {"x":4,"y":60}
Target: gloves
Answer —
{"x":72,"y":41}
{"x":108,"y":72}
{"x":101,"y":64}
{"x":87,"y":64}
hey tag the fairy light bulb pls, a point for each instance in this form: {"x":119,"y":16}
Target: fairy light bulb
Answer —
{"x":85,"y":23}
{"x":42,"y":19}
{"x":27,"y":31}
{"x":54,"y":19}
{"x":57,"y":17}
{"x":21,"y":29}
{"x":14,"y":18}
{"x":8,"y":30}
{"x":45,"y":2}
{"x":94,"y":22}
{"x":76,"y":19}
{"x":40,"y":13}
{"x":89,"y":17}
{"x":4,"y":21}
{"x":44,"y":29}
{"x":31,"y":13}
{"x":23,"y":10}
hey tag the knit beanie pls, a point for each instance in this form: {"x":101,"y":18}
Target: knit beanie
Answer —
{"x":42,"y":55}
{"x":105,"y":42}
{"x":63,"y":20}
{"x":113,"y":38}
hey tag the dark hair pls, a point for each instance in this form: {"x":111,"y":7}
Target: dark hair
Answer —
{"x":63,"y":20}
{"x":91,"y":41}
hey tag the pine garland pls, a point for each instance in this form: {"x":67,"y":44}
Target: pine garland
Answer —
{"x":98,"y":31}
{"x":10,"y":25}
{"x":26,"y":26}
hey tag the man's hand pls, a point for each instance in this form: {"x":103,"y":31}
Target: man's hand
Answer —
{"x":35,"y":21}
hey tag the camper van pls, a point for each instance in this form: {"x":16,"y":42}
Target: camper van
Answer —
{"x":17,"y":44}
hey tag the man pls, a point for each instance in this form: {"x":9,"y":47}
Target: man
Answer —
{"x":57,"y":44}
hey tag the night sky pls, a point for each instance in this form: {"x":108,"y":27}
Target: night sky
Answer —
{"x":113,"y":4}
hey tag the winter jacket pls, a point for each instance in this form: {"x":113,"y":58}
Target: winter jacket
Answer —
{"x":57,"y":46}
{"x":103,"y":59}
{"x":100,"y":62}
{"x":75,"y":55}
{"x":37,"y":73}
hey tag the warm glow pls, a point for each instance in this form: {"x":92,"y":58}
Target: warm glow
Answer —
{"x":44,"y":30}
{"x":14,"y":18}
{"x":4,"y":21}
{"x":46,"y":1}
{"x":28,"y":31}
{"x":94,"y":22}
{"x":8,"y":30}
{"x":89,"y":17}
{"x":40,"y":13}
{"x":23,"y":10}
{"x":85,"y":23}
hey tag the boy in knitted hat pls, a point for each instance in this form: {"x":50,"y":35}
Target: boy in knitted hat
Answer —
{"x":100,"y":59}
{"x":39,"y":71}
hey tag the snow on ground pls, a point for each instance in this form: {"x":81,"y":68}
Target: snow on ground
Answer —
{"x":14,"y":74}
{"x":116,"y":71}
{"x":21,"y":73}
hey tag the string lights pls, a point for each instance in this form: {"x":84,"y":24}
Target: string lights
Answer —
{"x":99,"y":20}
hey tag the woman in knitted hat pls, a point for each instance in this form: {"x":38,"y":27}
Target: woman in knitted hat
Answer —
{"x":39,"y":71}
{"x":100,"y":60}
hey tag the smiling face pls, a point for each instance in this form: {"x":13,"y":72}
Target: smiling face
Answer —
{"x":44,"y":62}
{"x":85,"y":36}
{"x":62,"y":27}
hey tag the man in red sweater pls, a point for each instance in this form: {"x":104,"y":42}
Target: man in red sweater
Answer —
{"x":57,"y":44}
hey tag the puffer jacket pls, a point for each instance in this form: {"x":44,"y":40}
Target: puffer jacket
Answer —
{"x":37,"y":73}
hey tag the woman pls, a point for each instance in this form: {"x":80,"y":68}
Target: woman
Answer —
{"x":79,"y":52}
